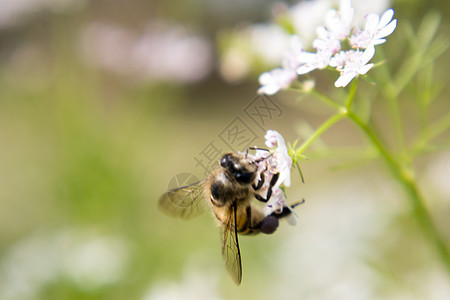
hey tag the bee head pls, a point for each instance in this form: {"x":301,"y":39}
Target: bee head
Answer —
{"x":242,"y":170}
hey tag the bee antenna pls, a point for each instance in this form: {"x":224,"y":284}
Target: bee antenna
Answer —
{"x":257,"y":148}
{"x":298,"y":203}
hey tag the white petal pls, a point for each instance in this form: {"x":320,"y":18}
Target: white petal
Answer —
{"x":344,"y":79}
{"x":364,"y":69}
{"x":265,"y":78}
{"x":372,"y":21}
{"x":368,"y":54}
{"x":346,"y":10}
{"x":386,"y":18}
{"x":306,"y":68}
{"x":269,"y":89}
{"x":296,"y":44}
{"x":306,"y":57}
{"x":387,"y":30}
{"x":379,"y":41}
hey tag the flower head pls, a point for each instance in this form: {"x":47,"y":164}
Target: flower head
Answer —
{"x":275,"y":80}
{"x":340,"y":22}
{"x":351,"y":64}
{"x":375,"y":30}
{"x":312,"y":61}
{"x":326,"y":41}
{"x":335,"y":33}
{"x":280,"y":161}
{"x":281,"y":78}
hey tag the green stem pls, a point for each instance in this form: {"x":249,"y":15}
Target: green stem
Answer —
{"x":327,"y":124}
{"x":422,"y":143}
{"x":351,"y":94}
{"x":327,"y":100}
{"x":403,"y":173}
{"x":405,"y":176}
{"x":439,"y":127}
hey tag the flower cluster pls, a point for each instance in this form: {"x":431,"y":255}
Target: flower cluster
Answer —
{"x":339,"y":27}
{"x":277,"y":161}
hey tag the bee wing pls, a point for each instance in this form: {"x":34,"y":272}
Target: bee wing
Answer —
{"x":184,"y":202}
{"x":230,"y":247}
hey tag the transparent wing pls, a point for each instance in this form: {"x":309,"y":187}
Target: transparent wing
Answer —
{"x":184,"y":202}
{"x":230,"y":247}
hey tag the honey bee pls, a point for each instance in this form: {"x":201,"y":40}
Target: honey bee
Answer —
{"x":229,"y":190}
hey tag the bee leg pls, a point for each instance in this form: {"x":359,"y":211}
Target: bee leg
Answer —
{"x":259,"y":185}
{"x":269,"y":224}
{"x":256,"y":222}
{"x":273,"y":181}
{"x":287,"y":210}
{"x":255,"y":148}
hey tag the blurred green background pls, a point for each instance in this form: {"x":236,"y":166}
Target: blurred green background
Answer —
{"x":100,"y":107}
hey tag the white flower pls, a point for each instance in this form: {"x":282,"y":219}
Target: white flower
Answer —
{"x":268,"y":41}
{"x":280,"y":158}
{"x":275,"y":80}
{"x":375,"y":30}
{"x":340,"y":22}
{"x":352,"y":63}
{"x":281,"y":78}
{"x":338,"y":27}
{"x":306,"y":16}
{"x":326,"y":41}
{"x":312,"y":61}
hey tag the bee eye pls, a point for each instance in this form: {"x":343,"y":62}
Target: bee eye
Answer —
{"x":223,"y":161}
{"x":245,"y":178}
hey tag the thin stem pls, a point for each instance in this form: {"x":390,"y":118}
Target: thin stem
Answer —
{"x":391,"y":91}
{"x":405,"y":176}
{"x":439,"y":127}
{"x":351,"y":94}
{"x":422,"y":143}
{"x":327,"y":124}
{"x":403,"y":173}
{"x":325,"y":99}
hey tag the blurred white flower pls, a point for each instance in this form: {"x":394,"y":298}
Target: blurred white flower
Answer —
{"x":340,"y":22}
{"x":94,"y":262}
{"x":234,"y":64}
{"x":351,"y":64}
{"x":316,"y":22}
{"x":248,"y":46}
{"x":88,"y":260}
{"x":375,"y":30}
{"x":269,"y":42}
{"x":363,"y":7}
{"x":326,"y":41}
{"x":273,"y":81}
{"x":16,"y":12}
{"x":281,"y":78}
{"x":311,"y":61}
{"x":162,"y":53}
{"x":338,"y":26}
{"x":306,"y":16}
{"x":195,"y":284}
